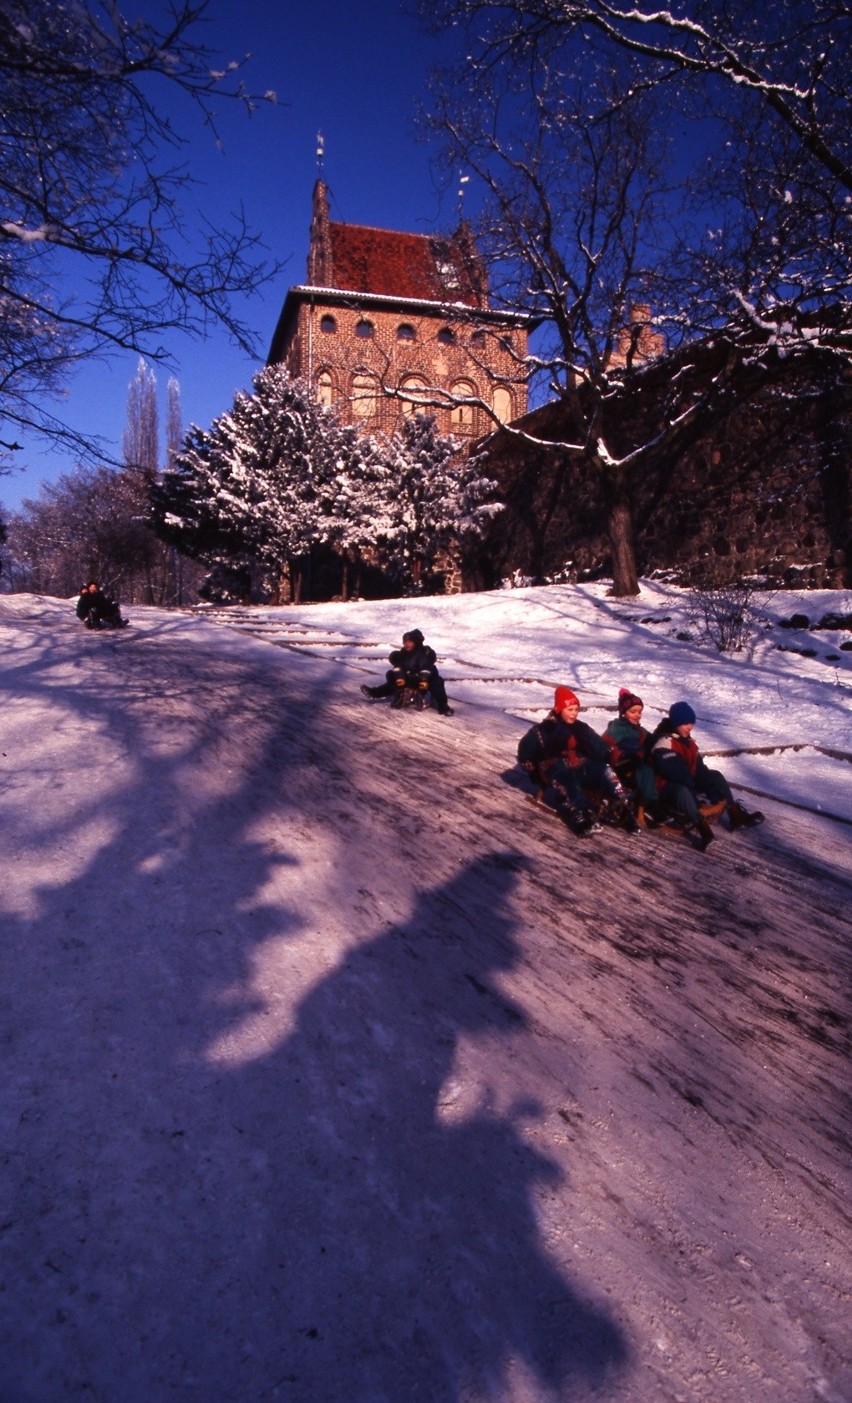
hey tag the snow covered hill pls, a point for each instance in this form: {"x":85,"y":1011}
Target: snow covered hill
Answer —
{"x":333,"y":1071}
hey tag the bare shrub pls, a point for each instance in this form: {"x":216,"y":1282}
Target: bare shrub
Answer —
{"x":723,"y":615}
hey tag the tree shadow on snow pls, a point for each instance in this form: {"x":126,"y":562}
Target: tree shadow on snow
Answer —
{"x":404,"y":1244}
{"x":312,"y":1221}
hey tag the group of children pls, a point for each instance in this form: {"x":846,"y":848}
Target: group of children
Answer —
{"x":615,"y":776}
{"x":628,"y":768}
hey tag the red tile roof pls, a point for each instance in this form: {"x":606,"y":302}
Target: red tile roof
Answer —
{"x":404,"y":265}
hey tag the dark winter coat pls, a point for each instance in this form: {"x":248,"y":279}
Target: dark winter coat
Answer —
{"x":422,"y":659}
{"x":582,"y":743}
{"x":541,"y":746}
{"x":572,"y":759}
{"x":630,"y":757}
{"x":95,"y":607}
{"x":628,"y":743}
{"x":677,"y":760}
{"x":553,"y":740}
{"x":681,"y":774}
{"x":94,"y":604}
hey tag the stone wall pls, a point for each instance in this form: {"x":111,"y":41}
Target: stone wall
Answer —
{"x":766,"y":492}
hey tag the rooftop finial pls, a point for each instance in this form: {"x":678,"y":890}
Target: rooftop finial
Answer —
{"x":320,"y":152}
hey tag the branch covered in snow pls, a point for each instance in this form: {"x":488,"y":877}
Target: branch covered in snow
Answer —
{"x":277,"y":477}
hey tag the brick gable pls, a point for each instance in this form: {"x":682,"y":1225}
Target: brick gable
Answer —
{"x":385,"y":315}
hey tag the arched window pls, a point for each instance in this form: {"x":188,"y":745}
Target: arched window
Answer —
{"x":405,"y":332}
{"x":364,"y":329}
{"x":325,"y":388}
{"x":503,"y":405}
{"x":364,"y":396}
{"x":412,"y":385}
{"x":447,"y":336}
{"x":461,"y":415}
{"x":328,"y":324}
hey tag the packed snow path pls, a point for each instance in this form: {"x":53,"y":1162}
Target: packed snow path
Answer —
{"x":333,"y":1073}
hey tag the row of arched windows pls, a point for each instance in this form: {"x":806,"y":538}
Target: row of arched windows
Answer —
{"x":366,"y":393}
{"x":365,"y":330}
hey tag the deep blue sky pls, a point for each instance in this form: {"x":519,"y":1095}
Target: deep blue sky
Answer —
{"x":355,"y":72}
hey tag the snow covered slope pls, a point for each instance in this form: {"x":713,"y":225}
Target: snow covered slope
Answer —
{"x":334,"y":1073}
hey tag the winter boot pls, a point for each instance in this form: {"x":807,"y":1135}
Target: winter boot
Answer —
{"x":738,"y":817}
{"x":445,"y":710}
{"x":398,"y":698}
{"x":704,"y":833}
{"x":581,"y":823}
{"x":626,"y":818}
{"x":371,"y":692}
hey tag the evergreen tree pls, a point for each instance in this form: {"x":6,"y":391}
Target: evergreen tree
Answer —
{"x":265,"y":485}
{"x":361,"y":491}
{"x":277,"y":479}
{"x":436,"y":499}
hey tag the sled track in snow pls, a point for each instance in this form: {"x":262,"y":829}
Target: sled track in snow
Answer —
{"x":317,"y":647}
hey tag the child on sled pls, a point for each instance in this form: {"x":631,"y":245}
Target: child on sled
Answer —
{"x":630,"y":749}
{"x":571,"y":758}
{"x":413,"y":667}
{"x":95,"y":608}
{"x":682,"y":777}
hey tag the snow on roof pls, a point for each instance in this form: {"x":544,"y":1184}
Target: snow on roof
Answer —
{"x":445,"y":308}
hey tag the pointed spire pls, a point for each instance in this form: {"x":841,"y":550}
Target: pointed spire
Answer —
{"x":473,"y":262}
{"x":319,"y":253}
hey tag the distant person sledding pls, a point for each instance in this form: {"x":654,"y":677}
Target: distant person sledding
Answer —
{"x":96,"y":609}
{"x":413,"y":677}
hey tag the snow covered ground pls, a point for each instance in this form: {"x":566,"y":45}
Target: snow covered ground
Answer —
{"x":503,"y":652}
{"x":333,"y":1071}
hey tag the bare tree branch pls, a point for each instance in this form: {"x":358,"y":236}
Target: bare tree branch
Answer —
{"x":623,"y":241}
{"x":98,"y":250}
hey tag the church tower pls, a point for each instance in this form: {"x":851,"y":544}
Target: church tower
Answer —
{"x":390,"y":324}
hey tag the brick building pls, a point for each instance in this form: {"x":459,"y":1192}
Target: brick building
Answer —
{"x":638,"y":341}
{"x":389,"y":324}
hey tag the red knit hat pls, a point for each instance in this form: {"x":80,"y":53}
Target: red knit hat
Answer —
{"x":562,"y":697}
{"x":627,"y":699}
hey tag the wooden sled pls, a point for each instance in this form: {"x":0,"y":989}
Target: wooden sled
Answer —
{"x":413,"y":696}
{"x":670,"y":828}
{"x":538,"y":801}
